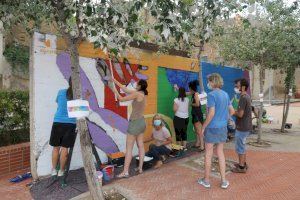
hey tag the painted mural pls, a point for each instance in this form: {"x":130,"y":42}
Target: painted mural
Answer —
{"x":107,"y":122}
{"x":167,"y":78}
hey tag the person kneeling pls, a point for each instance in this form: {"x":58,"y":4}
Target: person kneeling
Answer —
{"x":163,"y":140}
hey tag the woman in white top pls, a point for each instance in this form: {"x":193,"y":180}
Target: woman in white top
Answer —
{"x":163,"y":140}
{"x":181,"y":117}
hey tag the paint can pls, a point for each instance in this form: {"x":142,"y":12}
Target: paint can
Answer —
{"x":99,"y":177}
{"x":108,"y":172}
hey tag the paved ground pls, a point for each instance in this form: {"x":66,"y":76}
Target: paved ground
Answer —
{"x":274,"y":173}
{"x":14,"y":191}
{"x":294,"y":113}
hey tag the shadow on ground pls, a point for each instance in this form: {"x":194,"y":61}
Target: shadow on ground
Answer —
{"x":48,"y":189}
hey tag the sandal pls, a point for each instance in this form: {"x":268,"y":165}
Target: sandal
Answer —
{"x":201,"y":150}
{"x":123,"y":175}
{"x":138,"y":170}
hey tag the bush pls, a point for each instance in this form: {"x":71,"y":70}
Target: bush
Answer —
{"x":14,"y":117}
{"x":17,"y":56}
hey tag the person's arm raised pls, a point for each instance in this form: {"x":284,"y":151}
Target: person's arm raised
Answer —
{"x":123,"y":87}
{"x":129,"y":97}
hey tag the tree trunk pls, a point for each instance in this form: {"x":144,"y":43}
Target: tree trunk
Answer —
{"x":85,"y":141}
{"x":261,"y":90}
{"x":283,"y":112}
{"x":286,"y":113}
{"x":200,"y":77}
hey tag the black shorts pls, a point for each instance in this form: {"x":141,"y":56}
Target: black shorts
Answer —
{"x":63,"y":135}
{"x":180,"y":125}
{"x":197,"y":117}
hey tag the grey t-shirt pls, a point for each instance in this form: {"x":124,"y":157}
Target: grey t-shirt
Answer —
{"x":244,"y":123}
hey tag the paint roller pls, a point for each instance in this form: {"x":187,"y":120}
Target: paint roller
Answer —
{"x":112,"y":76}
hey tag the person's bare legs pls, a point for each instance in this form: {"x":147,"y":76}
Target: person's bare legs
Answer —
{"x":199,"y":136}
{"x":208,"y":155}
{"x":242,"y":159}
{"x":183,"y":143}
{"x":140,"y":144}
{"x":63,"y":158}
{"x":55,"y":156}
{"x":221,"y":157}
{"x":130,"y":139}
{"x":197,"y":131}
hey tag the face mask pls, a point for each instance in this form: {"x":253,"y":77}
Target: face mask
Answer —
{"x":157,"y":122}
{"x":236,"y":90}
{"x":209,"y":87}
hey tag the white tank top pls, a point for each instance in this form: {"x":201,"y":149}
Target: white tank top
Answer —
{"x":183,"y":108}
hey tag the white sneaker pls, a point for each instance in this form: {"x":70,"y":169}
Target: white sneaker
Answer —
{"x":54,"y":172}
{"x":204,"y":183}
{"x":224,"y":184}
{"x":60,"y":173}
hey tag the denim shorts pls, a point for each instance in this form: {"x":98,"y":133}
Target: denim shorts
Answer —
{"x":240,"y":141}
{"x":215,"y":135}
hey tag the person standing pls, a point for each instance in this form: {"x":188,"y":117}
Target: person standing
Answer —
{"x":63,"y":133}
{"x":137,"y":124}
{"x":197,"y":115}
{"x":181,"y":117}
{"x":214,"y":128}
{"x":243,"y":124}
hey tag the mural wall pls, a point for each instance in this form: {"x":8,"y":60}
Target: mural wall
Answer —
{"x":51,"y":68}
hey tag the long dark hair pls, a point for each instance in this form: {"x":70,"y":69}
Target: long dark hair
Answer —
{"x":193,"y":85}
{"x":70,"y":90}
{"x":181,"y":94}
{"x":143,"y":86}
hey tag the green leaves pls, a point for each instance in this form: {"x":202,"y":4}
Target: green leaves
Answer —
{"x":18,"y":56}
{"x":89,"y":10}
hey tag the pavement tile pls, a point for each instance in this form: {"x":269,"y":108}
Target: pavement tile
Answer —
{"x":272,"y":175}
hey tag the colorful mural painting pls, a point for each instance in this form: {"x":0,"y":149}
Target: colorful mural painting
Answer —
{"x":107,"y":122}
{"x":167,"y":78}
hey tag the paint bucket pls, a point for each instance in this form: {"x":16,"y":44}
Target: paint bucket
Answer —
{"x":99,"y":177}
{"x":108,"y":172}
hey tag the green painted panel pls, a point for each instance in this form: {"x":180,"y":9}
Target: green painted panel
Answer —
{"x":165,"y":100}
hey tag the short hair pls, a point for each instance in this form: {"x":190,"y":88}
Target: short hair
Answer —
{"x":216,"y":80}
{"x":244,"y":82}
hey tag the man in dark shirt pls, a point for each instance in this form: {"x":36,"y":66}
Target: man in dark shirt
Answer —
{"x":243,"y":124}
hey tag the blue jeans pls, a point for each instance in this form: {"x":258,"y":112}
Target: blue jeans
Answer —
{"x":157,"y":151}
{"x":240,"y":141}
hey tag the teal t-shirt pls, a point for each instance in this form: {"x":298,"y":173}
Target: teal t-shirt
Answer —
{"x":219,"y":99}
{"x":61,"y":114}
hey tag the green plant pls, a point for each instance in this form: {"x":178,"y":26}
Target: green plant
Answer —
{"x":17,"y":56}
{"x":14,"y":117}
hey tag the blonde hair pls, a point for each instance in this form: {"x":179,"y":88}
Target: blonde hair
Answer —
{"x":216,"y":80}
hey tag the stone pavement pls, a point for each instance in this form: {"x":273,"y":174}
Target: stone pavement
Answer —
{"x":14,"y":191}
{"x":272,"y":175}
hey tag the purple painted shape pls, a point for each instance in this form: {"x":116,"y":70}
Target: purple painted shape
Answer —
{"x":141,"y":76}
{"x":64,"y":63}
{"x":100,"y":137}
